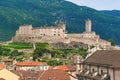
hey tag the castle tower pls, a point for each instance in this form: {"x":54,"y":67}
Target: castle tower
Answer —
{"x":88,"y":25}
{"x":62,"y":25}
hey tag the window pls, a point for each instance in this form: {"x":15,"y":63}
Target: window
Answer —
{"x":45,"y":67}
{"x":93,"y":70}
{"x":101,"y":71}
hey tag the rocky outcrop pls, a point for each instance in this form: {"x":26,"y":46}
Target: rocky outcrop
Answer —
{"x":71,"y":45}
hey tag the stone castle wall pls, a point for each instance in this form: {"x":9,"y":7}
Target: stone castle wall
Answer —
{"x":58,"y":34}
{"x":51,"y":34}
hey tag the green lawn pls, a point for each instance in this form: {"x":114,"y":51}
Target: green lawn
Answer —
{"x":19,"y":45}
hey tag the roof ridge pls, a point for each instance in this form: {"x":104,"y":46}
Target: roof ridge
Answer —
{"x":41,"y":75}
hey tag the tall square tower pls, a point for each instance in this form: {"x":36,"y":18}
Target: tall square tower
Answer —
{"x":88,"y":25}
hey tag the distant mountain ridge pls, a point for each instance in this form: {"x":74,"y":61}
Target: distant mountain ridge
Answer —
{"x":112,"y":12}
{"x":14,"y":13}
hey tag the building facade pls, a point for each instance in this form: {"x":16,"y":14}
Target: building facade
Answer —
{"x":102,"y":65}
{"x":32,"y":66}
{"x":58,"y":34}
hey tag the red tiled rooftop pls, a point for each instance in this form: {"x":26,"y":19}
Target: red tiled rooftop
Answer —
{"x":2,"y":79}
{"x":62,"y":67}
{"x":23,"y":74}
{"x":29,"y":63}
{"x":1,"y":66}
{"x":52,"y":74}
{"x":50,"y":67}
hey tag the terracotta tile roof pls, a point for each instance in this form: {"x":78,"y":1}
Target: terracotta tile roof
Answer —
{"x":29,"y":63}
{"x":25,"y":74}
{"x":1,"y":66}
{"x":52,"y":74}
{"x":105,"y":57}
{"x":2,"y":79}
{"x":62,"y":67}
{"x":51,"y":67}
{"x":65,"y":68}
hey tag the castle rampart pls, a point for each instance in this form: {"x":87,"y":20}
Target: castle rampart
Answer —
{"x":54,"y":34}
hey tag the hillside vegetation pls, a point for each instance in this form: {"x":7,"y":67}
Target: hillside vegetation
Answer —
{"x":112,"y":12}
{"x":14,"y":13}
{"x":44,"y":52}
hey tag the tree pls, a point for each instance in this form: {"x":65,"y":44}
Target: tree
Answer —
{"x":112,"y":42}
{"x":1,"y":51}
{"x":54,"y":63}
{"x":38,"y":52}
{"x":41,"y":51}
{"x":35,"y":56}
{"x":16,"y":54}
{"x":4,"y":51}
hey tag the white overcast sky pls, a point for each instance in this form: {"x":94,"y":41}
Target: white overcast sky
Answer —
{"x":99,"y":4}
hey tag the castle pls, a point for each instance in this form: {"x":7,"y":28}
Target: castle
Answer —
{"x":51,"y":34}
{"x":54,"y":34}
